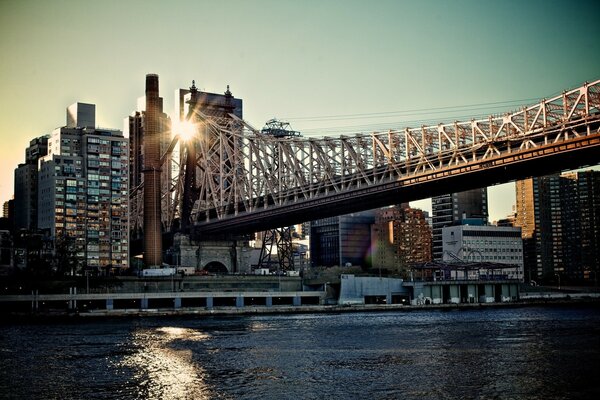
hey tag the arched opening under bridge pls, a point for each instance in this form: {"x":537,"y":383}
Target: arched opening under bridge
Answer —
{"x":216,"y":267}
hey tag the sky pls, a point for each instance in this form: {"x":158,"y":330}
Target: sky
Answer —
{"x":328,"y":67}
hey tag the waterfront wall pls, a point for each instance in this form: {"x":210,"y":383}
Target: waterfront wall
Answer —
{"x":74,"y":301}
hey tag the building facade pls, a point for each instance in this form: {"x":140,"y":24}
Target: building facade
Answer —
{"x":560,"y":220}
{"x":83,"y":193}
{"x":485,"y":244}
{"x":342,"y":240}
{"x":453,"y":209}
{"x":401,"y":236}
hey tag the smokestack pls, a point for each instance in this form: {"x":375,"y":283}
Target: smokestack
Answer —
{"x":152,"y":173}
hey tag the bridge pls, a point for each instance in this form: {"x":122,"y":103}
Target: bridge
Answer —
{"x":234,"y":178}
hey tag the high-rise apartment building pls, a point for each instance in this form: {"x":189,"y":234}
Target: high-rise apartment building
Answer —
{"x":401,"y":236}
{"x":26,"y":185}
{"x":588,"y":190}
{"x":454,"y":209}
{"x":83,"y":194}
{"x":560,"y":220}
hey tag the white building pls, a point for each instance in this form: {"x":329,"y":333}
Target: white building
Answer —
{"x":83,"y":191}
{"x":485,"y":244}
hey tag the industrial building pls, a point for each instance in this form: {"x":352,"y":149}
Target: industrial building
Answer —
{"x":484,"y":244}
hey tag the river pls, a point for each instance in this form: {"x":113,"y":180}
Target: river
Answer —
{"x":512,"y":353}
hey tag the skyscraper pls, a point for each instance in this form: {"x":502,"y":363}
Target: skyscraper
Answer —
{"x":455,"y":209}
{"x":83,"y":196}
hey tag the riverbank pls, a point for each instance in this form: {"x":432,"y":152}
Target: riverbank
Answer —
{"x":191,"y":312}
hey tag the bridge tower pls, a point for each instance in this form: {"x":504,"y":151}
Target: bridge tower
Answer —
{"x":281,"y":238}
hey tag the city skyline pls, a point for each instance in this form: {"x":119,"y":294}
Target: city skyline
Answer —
{"x":328,"y":68}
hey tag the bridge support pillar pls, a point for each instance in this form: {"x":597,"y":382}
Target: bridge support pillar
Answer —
{"x":297,"y":301}
{"x":72,"y":303}
{"x":239,"y":301}
{"x":144,"y":304}
{"x":209,"y":302}
{"x":177,"y":302}
{"x":109,"y":304}
{"x":269,"y":301}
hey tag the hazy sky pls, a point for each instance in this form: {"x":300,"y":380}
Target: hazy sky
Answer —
{"x":306,"y":61}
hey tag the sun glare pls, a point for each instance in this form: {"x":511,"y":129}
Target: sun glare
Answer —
{"x":185,"y":129}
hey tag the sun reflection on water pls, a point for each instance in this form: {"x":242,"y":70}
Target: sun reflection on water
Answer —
{"x":163,"y":371}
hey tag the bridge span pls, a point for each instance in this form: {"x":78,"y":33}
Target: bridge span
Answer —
{"x":246,"y":181}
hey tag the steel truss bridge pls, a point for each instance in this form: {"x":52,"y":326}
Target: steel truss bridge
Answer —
{"x":234,"y":179}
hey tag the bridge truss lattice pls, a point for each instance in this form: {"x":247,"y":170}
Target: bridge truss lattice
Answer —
{"x":239,"y":171}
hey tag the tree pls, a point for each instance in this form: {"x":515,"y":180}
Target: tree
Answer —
{"x":65,"y":257}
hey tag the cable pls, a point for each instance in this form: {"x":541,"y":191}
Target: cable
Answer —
{"x":394,"y":125}
{"x":433,"y":110}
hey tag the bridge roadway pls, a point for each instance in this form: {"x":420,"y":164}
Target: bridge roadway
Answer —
{"x":549,"y":154}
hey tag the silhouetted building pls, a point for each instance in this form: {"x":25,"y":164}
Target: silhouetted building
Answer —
{"x":6,"y":249}
{"x":26,"y":185}
{"x":456,"y":209}
{"x":560,"y":220}
{"x":342,"y":240}
{"x":401,"y":236}
{"x":83,"y":194}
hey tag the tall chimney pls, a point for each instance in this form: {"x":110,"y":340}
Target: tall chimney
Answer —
{"x":152,"y":173}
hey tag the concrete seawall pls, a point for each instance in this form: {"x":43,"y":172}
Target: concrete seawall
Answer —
{"x":192,"y":312}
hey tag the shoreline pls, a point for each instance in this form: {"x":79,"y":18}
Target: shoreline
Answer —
{"x":59,"y":316}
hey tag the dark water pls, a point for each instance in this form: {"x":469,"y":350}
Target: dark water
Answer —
{"x":524,"y":353}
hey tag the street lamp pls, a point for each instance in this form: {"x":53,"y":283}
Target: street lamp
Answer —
{"x":558,"y":280}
